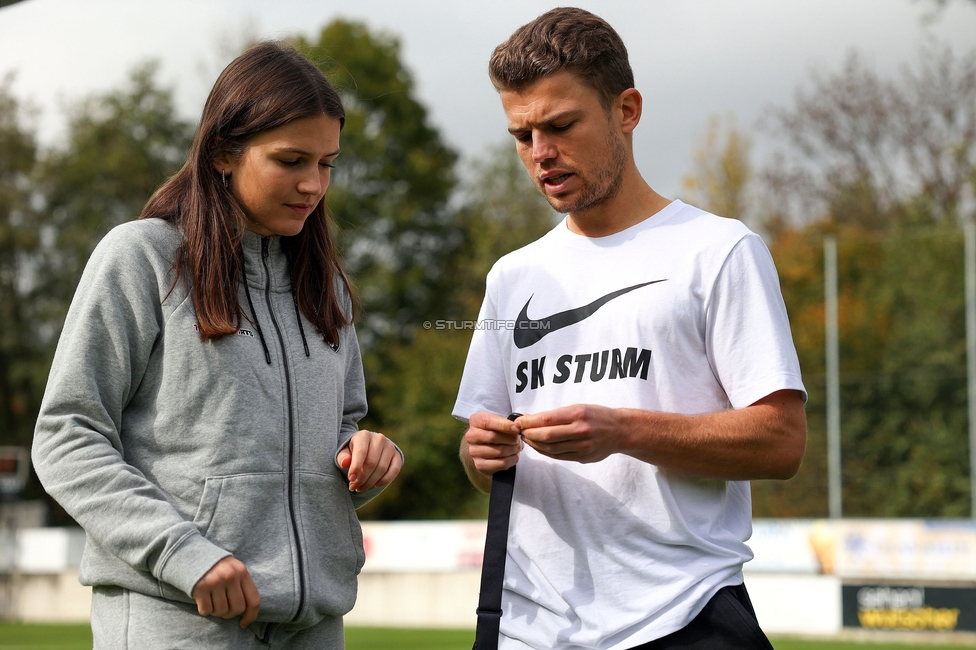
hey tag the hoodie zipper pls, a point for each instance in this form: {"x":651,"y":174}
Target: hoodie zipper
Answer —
{"x":291,"y":443}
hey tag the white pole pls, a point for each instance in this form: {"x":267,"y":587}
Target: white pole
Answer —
{"x":969,"y":229}
{"x":833,"y":378}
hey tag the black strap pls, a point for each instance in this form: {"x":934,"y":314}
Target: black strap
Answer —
{"x":493,"y":562}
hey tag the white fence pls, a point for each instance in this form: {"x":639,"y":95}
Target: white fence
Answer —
{"x":39,"y":575}
{"x":426,"y":574}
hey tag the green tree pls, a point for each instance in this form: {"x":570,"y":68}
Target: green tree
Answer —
{"x":903,"y":375}
{"x":121,"y":146}
{"x":904,"y":384}
{"x":401,"y":242}
{"x":54,"y":207}
{"x":392,"y":183}
{"x":721,"y":171}
{"x":867,"y":150}
{"x":502,"y":211}
{"x":22,"y":351}
{"x":885,"y":164}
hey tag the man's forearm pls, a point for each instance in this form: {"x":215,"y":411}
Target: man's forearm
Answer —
{"x":763,"y":441}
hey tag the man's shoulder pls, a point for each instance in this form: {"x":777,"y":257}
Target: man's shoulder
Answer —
{"x":527,"y":255}
{"x":705,"y":225}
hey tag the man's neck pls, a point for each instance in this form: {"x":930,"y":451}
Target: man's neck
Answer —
{"x":634,"y":202}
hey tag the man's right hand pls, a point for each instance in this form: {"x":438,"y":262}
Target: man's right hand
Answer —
{"x":227,"y":590}
{"x":491,"y":444}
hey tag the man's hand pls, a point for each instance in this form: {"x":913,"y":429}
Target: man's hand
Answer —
{"x":227,"y":590}
{"x":764,"y":440}
{"x":491,"y":444}
{"x":372,"y":460}
{"x":586,"y":433}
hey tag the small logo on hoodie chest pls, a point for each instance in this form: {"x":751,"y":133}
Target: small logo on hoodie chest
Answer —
{"x":240,"y":332}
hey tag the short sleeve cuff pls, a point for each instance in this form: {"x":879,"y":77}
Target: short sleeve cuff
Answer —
{"x":749,"y":395}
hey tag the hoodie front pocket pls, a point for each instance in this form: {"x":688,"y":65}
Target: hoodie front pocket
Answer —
{"x":246,"y":514}
{"x":333,"y":542}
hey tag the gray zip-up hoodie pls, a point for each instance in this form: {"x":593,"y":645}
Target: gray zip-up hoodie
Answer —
{"x":173,"y":452}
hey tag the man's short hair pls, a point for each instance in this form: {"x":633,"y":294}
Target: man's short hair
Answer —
{"x":565,"y":38}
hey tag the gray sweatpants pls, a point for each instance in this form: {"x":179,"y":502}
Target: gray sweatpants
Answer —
{"x":127,"y":620}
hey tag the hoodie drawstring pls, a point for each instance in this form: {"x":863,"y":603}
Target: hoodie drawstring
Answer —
{"x":298,"y":315}
{"x":250,"y":303}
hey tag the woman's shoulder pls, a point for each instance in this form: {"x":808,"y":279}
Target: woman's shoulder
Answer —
{"x":134,"y":252}
{"x":141,"y":238}
{"x":144,"y":232}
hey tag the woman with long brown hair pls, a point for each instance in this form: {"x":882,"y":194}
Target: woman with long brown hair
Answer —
{"x":200,"y":417}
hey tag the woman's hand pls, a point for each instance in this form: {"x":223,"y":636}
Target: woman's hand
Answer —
{"x":227,"y":590}
{"x":372,"y":460}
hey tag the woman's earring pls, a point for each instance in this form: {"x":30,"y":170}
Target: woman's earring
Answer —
{"x":223,"y":177}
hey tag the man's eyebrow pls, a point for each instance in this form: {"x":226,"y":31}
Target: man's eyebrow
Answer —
{"x":559,"y":117}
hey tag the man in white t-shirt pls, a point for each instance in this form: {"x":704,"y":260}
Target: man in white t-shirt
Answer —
{"x":648,"y":346}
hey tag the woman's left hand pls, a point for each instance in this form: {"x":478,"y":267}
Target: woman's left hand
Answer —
{"x":372,"y":460}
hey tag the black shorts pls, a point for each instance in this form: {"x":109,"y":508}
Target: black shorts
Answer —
{"x":728,"y":622}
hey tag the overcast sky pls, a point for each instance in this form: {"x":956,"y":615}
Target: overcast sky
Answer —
{"x":691,"y":58}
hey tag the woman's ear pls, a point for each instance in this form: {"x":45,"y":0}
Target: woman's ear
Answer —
{"x":225,"y":164}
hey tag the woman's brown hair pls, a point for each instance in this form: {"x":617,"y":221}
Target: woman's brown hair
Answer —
{"x":266,"y":87}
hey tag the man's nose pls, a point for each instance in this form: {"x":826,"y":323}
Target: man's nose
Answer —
{"x":542,"y":148}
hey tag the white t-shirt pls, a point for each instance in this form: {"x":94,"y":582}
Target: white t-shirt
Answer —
{"x":679,"y":313}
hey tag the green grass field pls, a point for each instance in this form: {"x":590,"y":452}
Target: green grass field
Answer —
{"x":78,"y":637}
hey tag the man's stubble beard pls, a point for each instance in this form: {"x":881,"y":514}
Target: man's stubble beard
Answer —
{"x":606,"y":185}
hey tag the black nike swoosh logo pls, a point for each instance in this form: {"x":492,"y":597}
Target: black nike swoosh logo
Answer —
{"x":529,"y":331}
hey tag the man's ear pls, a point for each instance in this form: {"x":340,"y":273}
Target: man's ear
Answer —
{"x":629,"y":103}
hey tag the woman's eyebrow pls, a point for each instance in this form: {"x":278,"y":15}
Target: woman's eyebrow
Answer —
{"x":302,"y":152}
